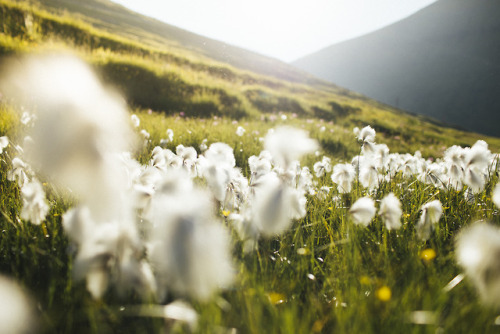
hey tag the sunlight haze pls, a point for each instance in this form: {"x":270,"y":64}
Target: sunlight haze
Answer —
{"x":282,"y":29}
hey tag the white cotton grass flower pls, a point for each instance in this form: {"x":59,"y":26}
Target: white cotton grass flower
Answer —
{"x":366,"y":134}
{"x":356,"y":131}
{"x":35,"y":207}
{"x":288,"y":144}
{"x":80,"y":124}
{"x":322,"y":167}
{"x":366,"y":137}
{"x":478,"y":155}
{"x":343,"y":175}
{"x":220,"y":154}
{"x":4,"y":142}
{"x":477,"y":250}
{"x":390,"y":211}
{"x":369,"y":175}
{"x":136,"y":122}
{"x":27,"y":118}
{"x":20,"y":171}
{"x":203,"y":145}
{"x":189,"y":249}
{"x":110,"y":253}
{"x":274,"y":206}
{"x":17,"y":315}
{"x":170,"y":135}
{"x":431,"y":213}
{"x":475,"y":179}
{"x":495,"y":197}
{"x":363,"y":211}
{"x":240,"y":131}
{"x":477,"y":160}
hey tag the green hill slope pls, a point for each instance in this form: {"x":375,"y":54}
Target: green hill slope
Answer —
{"x":173,"y":77}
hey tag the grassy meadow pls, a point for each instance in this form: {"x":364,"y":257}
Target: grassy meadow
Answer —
{"x":324,"y":272}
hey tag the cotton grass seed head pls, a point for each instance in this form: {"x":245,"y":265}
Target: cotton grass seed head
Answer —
{"x":80,"y":122}
{"x":478,"y":251}
{"x":189,"y":249}
{"x":343,"y":175}
{"x":288,"y":144}
{"x":363,"y":211}
{"x":390,"y":211}
{"x":16,"y":311}
{"x":431,"y":213}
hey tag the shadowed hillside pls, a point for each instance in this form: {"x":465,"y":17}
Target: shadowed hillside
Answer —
{"x":441,"y":62}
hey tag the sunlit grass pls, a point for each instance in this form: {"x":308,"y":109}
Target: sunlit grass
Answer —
{"x":324,"y":275}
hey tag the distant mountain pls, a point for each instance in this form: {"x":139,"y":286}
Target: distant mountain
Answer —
{"x":443,"y":61}
{"x":110,"y":16}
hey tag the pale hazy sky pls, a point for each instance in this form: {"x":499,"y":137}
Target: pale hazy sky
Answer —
{"x":284,"y":29}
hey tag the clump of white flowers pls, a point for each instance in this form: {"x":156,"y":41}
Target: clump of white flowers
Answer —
{"x":35,"y":207}
{"x":240,"y":131}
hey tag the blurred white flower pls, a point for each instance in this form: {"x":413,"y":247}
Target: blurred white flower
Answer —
{"x":475,"y":179}
{"x":4,"y":142}
{"x":170,"y":135}
{"x":110,"y":253}
{"x":343,"y":175}
{"x":27,"y":118}
{"x":20,"y":172}
{"x":367,"y":138}
{"x":135,"y":120}
{"x":80,"y":124}
{"x":496,"y":195}
{"x":145,"y":134}
{"x":240,"y":131}
{"x":35,"y":207}
{"x":287,"y":144}
{"x":189,"y":249}
{"x":203,"y":145}
{"x":220,"y":154}
{"x":274,"y":206}
{"x":322,"y":167}
{"x":478,"y":156}
{"x":367,"y":134}
{"x":368,"y":175}
{"x":431,"y":213}
{"x":363,"y":211}
{"x":17,"y":315}
{"x":390,"y":211}
{"x":477,"y":251}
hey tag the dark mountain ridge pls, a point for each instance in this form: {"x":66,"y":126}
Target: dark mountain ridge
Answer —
{"x":442,"y":62}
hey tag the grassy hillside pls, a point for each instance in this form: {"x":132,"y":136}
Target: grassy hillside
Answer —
{"x":173,"y":82}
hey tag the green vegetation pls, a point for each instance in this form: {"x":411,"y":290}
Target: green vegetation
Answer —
{"x":325,"y":274}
